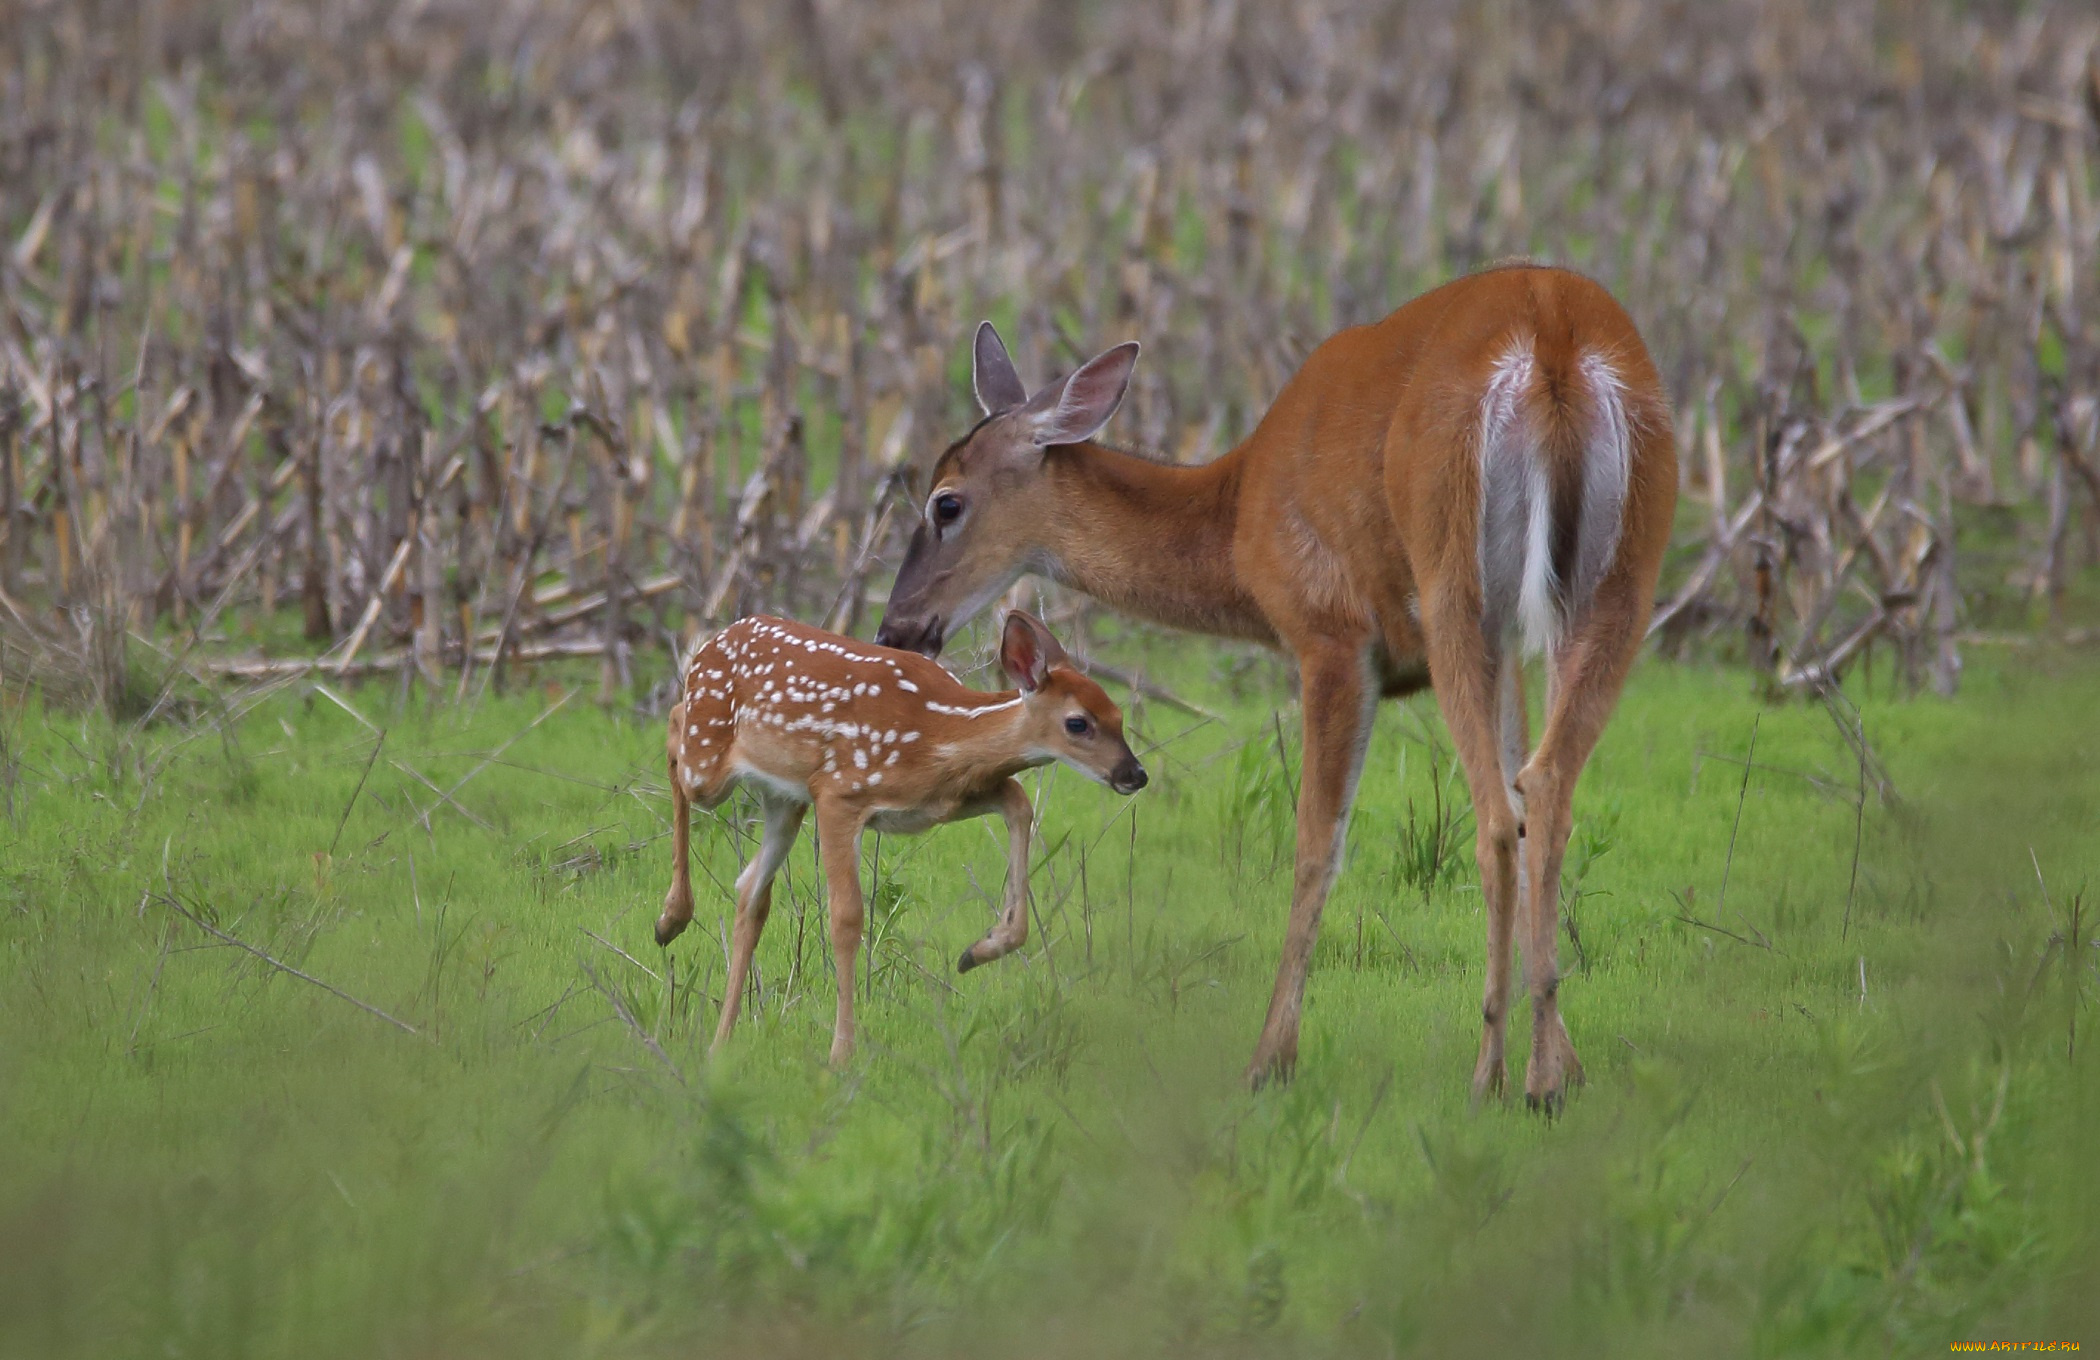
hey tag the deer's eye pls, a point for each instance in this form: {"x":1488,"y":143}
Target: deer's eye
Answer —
{"x":947,"y":508}
{"x":1078,"y":726}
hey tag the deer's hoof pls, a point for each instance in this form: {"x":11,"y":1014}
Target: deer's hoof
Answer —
{"x":1273,"y":1069}
{"x":1550,"y":1097}
{"x":967,"y":961}
{"x":1554,"y":1070}
{"x":668,"y":929}
{"x":1489,"y":1083}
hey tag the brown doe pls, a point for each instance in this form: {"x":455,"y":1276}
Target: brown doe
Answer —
{"x":870,"y":737}
{"x":1489,"y":472}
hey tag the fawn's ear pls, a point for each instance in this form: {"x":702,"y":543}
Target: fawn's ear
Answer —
{"x":1075,"y":409}
{"x":998,"y":385}
{"x":1027,"y":652}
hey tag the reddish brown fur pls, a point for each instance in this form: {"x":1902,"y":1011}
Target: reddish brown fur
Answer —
{"x":1347,"y":528}
{"x":870,"y":736}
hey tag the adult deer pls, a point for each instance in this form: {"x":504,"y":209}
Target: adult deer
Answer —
{"x":870,"y":737}
{"x":1487,"y":473}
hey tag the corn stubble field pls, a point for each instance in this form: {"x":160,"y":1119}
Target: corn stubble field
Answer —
{"x":387,"y":391}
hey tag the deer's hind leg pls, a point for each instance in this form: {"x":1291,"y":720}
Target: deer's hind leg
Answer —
{"x":754,"y":903}
{"x":1477,"y":686}
{"x":1589,"y":668}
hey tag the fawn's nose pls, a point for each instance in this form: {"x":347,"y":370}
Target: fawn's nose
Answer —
{"x":1129,"y":777}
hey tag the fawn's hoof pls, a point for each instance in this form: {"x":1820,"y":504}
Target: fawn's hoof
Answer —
{"x":967,"y":961}
{"x":668,"y":930}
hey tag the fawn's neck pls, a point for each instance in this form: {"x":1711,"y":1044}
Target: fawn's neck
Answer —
{"x":981,"y":740}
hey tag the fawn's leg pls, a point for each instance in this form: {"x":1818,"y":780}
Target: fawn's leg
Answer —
{"x":754,"y":902}
{"x":697,"y":743}
{"x":1011,"y":931}
{"x":838,"y":839}
{"x":678,"y":902}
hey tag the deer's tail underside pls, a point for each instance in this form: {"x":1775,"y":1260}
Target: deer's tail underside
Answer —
{"x":1556,"y":454}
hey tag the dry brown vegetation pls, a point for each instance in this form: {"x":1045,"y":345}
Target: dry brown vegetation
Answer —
{"x":473,"y":332}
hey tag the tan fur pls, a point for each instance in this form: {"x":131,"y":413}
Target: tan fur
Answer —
{"x":1346,"y":529}
{"x":869,"y":736}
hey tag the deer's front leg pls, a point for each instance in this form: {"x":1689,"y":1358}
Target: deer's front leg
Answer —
{"x":1011,"y":932}
{"x":1337,"y":698}
{"x":838,"y":838}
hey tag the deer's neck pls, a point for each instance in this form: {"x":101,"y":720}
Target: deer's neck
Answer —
{"x":1151,"y":539}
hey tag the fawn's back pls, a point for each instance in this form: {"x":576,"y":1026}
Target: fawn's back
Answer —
{"x":802,"y":712}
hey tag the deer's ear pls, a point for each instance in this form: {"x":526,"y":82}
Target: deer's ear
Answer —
{"x":1075,"y":409}
{"x":1027,"y":652}
{"x":999,"y":387}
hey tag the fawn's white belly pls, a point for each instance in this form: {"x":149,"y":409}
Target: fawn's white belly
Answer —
{"x":903,"y":821}
{"x":769,"y":786}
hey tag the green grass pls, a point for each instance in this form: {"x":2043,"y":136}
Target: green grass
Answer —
{"x":1787,"y":1146}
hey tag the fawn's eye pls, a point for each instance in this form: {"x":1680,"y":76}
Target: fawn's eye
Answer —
{"x":1078,"y":726}
{"x":947,"y":508}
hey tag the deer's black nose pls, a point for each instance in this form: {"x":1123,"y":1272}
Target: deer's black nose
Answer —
{"x":1129,"y":777}
{"x":925,"y":638}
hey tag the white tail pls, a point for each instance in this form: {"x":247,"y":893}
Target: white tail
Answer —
{"x":1516,"y":509}
{"x":870,"y":737}
{"x":1607,"y":466}
{"x":1521,"y":587}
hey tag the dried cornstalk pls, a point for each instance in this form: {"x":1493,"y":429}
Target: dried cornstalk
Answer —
{"x":292,"y":306}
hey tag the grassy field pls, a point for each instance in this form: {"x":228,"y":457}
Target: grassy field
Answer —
{"x":440,"y":340}
{"x":1828,"y":1112}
